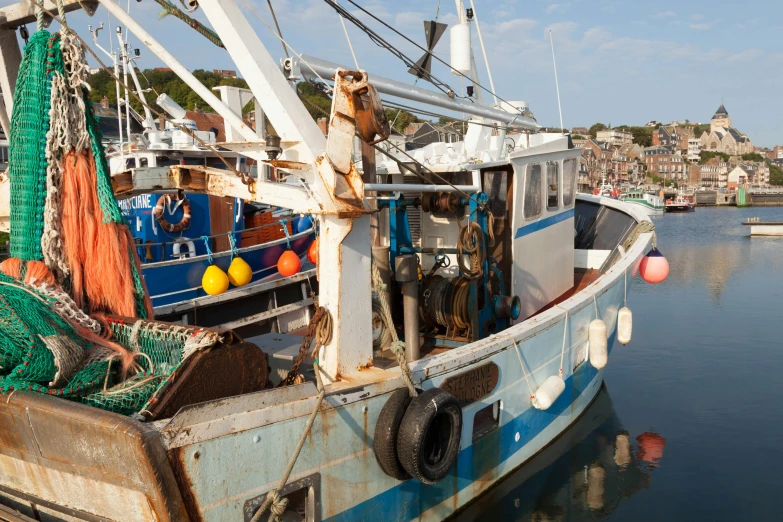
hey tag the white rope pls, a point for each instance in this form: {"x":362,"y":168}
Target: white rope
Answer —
{"x":595,"y":304}
{"x":39,"y":19}
{"x":562,"y":350}
{"x":350,"y":45}
{"x":522,"y":365}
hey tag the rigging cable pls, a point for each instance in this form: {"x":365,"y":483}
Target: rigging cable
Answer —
{"x":206,"y":32}
{"x":365,"y":29}
{"x":279,"y":32}
{"x":397,"y":160}
{"x":380,"y":42}
{"x":103,"y":66}
{"x":285,"y":44}
{"x":350,"y":45}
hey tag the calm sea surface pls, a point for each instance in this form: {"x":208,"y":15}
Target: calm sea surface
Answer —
{"x":690,"y":423}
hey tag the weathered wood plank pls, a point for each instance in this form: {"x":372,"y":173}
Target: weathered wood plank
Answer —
{"x":22,"y":13}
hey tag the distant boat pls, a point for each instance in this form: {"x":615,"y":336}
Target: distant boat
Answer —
{"x":680,"y":204}
{"x":651,"y":204}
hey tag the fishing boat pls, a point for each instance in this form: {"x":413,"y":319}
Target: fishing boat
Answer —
{"x":606,"y":189}
{"x":179,"y":235}
{"x":651,"y":204}
{"x":468,"y":303}
{"x":679,"y":204}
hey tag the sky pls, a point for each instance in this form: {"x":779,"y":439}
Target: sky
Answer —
{"x":618,"y":62}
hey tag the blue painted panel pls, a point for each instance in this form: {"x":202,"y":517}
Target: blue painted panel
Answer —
{"x":411,"y":498}
{"x":183,"y":280}
{"x":543,"y":223}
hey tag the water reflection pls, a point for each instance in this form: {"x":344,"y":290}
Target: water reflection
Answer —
{"x":584,"y":475}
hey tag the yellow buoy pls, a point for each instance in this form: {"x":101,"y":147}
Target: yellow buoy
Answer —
{"x":214,"y":281}
{"x":239,"y":272}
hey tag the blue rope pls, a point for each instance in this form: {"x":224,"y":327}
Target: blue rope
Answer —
{"x":284,"y":222}
{"x":209,"y":250}
{"x":233,"y":242}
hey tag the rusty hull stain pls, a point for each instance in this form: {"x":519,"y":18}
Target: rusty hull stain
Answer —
{"x":177,"y":458}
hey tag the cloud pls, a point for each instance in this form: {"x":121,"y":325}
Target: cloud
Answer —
{"x":702,"y":26}
{"x":746,"y":24}
{"x":409,"y":20}
{"x":516,"y":25}
{"x":551,"y":8}
{"x":664,"y":14}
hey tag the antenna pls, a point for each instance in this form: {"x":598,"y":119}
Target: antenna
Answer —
{"x":557,"y":86}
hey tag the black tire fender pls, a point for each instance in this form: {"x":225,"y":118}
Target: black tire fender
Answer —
{"x":386,"y":429}
{"x":428,"y":441}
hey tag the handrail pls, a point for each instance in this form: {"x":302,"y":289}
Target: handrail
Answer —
{"x":224,"y":234}
{"x":211,"y":237}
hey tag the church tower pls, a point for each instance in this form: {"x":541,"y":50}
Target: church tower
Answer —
{"x":720,"y":119}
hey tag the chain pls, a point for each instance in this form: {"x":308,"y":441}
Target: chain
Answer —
{"x":320,"y":312}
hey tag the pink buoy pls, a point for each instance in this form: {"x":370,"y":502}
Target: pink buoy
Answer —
{"x":654,"y":267}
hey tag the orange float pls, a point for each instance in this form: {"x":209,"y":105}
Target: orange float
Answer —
{"x":289,"y":264}
{"x":312,"y":252}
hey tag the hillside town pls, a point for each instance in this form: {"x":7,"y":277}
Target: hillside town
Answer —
{"x":681,"y":153}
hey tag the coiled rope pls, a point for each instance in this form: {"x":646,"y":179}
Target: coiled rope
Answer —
{"x":642,"y":227}
{"x":471,"y":242}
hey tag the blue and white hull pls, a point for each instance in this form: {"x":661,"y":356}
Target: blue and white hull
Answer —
{"x":337,"y":464}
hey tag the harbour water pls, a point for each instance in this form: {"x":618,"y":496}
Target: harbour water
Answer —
{"x":697,"y":394}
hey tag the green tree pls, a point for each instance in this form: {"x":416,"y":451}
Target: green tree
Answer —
{"x":595,"y":128}
{"x":707,"y":155}
{"x":641,"y":135}
{"x":775,"y":175}
{"x":161,"y":81}
{"x":754,"y":156}
{"x":698,"y":130}
{"x":401,"y":119}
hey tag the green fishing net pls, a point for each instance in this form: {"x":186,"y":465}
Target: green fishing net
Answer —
{"x":27,"y":157}
{"x":47,"y":344}
{"x":31,"y":329}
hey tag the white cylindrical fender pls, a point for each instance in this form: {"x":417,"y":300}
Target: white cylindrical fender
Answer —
{"x":176,"y":248}
{"x":624,"y":325}
{"x":599,"y":349}
{"x":460,"y":48}
{"x":547,"y":393}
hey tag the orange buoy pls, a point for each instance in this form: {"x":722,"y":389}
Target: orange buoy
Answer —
{"x":289,"y":264}
{"x":214,"y":281}
{"x":312,"y":252}
{"x":654,"y":267}
{"x":239,"y":272}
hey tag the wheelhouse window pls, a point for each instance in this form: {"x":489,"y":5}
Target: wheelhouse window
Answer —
{"x":496,"y":189}
{"x":569,"y":181}
{"x":552,"y":186}
{"x":533,"y":192}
